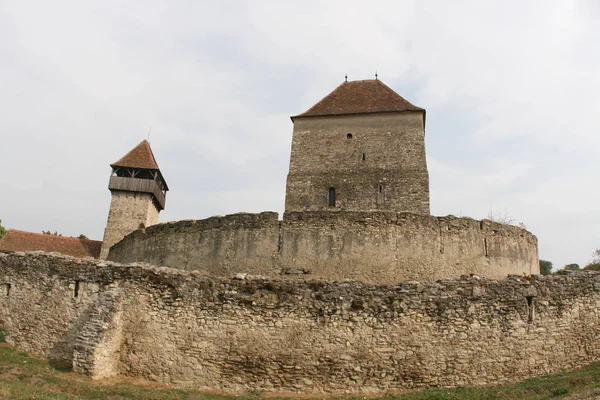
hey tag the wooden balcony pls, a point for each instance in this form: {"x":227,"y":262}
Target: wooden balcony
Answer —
{"x":138,"y":185}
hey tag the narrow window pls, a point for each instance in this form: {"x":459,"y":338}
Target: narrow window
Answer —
{"x":530,"y":309}
{"x":364,"y":156}
{"x":8,"y":286}
{"x":331,"y":197}
{"x":76,"y":289}
{"x":349,"y":136}
{"x":380,"y":188}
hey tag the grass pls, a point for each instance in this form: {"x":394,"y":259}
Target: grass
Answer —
{"x":25,"y":377}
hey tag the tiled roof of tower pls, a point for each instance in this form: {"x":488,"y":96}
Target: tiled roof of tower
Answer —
{"x":140,"y":156}
{"x":360,"y":97}
{"x":15,"y":240}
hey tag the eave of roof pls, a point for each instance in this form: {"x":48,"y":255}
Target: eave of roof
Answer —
{"x":360,"y":97}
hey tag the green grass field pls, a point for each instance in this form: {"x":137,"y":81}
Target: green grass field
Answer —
{"x":25,"y":377}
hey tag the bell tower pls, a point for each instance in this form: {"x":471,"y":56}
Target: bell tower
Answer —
{"x":138,"y":194}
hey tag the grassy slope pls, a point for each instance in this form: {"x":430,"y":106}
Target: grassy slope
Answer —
{"x":24,"y":377}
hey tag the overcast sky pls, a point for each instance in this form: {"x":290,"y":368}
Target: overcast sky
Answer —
{"x":510,"y":87}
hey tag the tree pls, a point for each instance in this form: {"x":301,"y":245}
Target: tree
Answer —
{"x":594,"y":265}
{"x":83,"y":237}
{"x":499,"y":217}
{"x":50,"y":233}
{"x":545,"y":267}
{"x":2,"y":230}
{"x":572,"y":267}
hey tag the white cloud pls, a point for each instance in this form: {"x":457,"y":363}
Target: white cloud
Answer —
{"x":510,"y":90}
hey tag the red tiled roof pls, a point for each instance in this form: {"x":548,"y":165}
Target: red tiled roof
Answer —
{"x":140,"y":156}
{"x":360,"y":97}
{"x":15,"y":240}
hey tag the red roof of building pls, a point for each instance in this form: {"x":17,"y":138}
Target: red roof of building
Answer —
{"x":140,"y":156}
{"x":360,"y":97}
{"x":15,"y":240}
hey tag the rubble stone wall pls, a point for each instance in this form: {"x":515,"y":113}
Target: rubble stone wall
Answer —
{"x":382,"y":247}
{"x":304,"y":336}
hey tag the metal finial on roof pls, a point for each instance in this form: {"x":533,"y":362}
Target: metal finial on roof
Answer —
{"x":375,"y":75}
{"x":346,"y":78}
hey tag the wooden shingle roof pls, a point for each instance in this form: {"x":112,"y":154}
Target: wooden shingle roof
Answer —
{"x":15,"y":240}
{"x":360,"y":97}
{"x":140,"y":156}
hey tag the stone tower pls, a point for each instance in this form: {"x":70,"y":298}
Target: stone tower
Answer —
{"x":138,"y":192}
{"x":360,"y":148}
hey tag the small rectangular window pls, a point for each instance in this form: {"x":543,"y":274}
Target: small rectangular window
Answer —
{"x":332,"y":197}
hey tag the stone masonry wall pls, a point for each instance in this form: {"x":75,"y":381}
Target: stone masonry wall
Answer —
{"x":305,"y":336}
{"x":380,"y":247}
{"x":382,"y":166}
{"x":127,"y":211}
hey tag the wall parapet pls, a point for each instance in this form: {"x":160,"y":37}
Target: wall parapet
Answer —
{"x":306,"y":336}
{"x":374,"y":246}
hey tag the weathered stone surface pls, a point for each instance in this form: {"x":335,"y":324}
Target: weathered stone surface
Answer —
{"x":373,"y":161}
{"x":304,"y":335}
{"x":128,"y":212}
{"x":382,"y":247}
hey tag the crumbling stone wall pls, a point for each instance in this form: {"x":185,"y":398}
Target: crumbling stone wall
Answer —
{"x":374,"y":162}
{"x":382,"y":247}
{"x":306,"y":336}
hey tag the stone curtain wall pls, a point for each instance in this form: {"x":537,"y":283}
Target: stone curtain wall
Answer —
{"x":305,"y":336}
{"x":368,"y":246}
{"x":221,"y":245}
{"x":381,"y":167}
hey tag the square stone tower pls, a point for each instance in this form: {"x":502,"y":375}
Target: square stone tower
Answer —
{"x":361,"y":148}
{"x":138,"y":194}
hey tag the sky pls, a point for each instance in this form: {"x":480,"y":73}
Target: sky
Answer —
{"x":510,"y":88}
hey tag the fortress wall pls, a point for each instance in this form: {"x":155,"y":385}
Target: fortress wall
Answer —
{"x":381,"y":247}
{"x":41,"y":314}
{"x":303,"y":336}
{"x":222,"y":245}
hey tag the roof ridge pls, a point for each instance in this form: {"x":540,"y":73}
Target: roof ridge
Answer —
{"x":141,"y":156}
{"x":360,"y":97}
{"x":49,"y":235}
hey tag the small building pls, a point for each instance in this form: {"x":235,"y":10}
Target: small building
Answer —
{"x":16,"y":240}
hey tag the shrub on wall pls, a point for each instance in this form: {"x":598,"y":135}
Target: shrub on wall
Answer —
{"x":545,"y":267}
